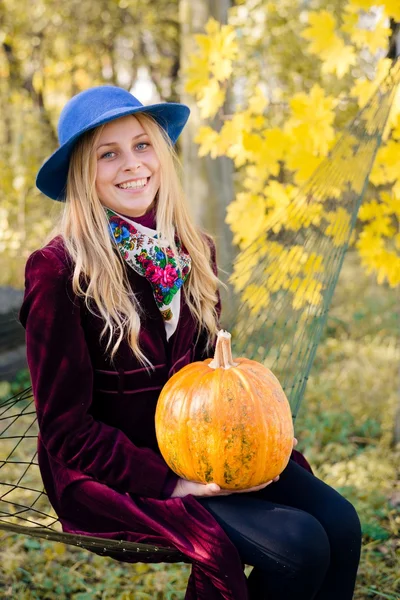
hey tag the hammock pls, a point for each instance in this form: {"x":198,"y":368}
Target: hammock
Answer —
{"x":283,"y":286}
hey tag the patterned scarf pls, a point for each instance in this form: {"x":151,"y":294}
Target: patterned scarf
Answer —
{"x":152,"y":258}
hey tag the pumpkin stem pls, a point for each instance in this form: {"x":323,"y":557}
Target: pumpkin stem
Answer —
{"x":223,"y":353}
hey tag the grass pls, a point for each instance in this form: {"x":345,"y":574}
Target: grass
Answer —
{"x":345,"y":428}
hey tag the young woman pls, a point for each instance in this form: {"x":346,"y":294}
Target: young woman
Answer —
{"x":123,"y":297}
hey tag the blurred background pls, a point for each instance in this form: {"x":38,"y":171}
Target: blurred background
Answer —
{"x":271,"y":87}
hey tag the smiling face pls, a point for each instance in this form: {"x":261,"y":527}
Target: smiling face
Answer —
{"x":128,"y":170}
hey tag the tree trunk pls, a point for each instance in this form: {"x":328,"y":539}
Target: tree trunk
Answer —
{"x":208,"y":183}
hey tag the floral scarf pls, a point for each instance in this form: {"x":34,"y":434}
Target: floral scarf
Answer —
{"x":152,"y":258}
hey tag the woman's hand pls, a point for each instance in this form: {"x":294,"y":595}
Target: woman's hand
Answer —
{"x":184,"y":487}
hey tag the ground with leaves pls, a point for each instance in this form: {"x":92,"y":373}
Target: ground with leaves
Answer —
{"x":345,"y":428}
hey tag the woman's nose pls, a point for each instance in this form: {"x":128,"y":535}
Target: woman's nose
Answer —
{"x":131,"y":162}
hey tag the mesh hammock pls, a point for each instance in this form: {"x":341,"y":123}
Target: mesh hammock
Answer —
{"x":283,"y":284}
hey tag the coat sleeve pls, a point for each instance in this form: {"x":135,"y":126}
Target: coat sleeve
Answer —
{"x":62,"y":382}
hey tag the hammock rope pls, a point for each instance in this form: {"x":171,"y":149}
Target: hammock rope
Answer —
{"x":283,"y":282}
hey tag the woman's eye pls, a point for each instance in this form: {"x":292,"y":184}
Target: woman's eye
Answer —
{"x":107,"y":154}
{"x":142,"y":146}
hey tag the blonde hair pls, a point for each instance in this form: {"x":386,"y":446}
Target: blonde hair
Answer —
{"x":84,"y":228}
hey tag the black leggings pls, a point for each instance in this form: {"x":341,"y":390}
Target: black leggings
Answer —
{"x":302,"y":537}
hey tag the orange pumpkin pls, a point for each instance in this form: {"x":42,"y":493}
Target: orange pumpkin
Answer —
{"x":225,"y":422}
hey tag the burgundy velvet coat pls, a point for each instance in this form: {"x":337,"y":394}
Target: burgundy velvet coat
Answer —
{"x":97,"y":447}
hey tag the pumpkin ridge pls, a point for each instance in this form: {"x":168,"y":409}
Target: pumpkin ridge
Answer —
{"x":256,"y":475}
{"x":166,"y":412}
{"x":282,"y":415}
{"x":239,"y":442}
{"x":202,"y":460}
{"x":278,"y":414}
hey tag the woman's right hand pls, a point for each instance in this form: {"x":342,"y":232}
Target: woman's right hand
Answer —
{"x":184,"y":488}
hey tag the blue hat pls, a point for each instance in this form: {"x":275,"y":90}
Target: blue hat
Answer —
{"x":94,"y":107}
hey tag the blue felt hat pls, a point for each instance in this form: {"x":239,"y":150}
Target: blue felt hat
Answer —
{"x":94,"y":107}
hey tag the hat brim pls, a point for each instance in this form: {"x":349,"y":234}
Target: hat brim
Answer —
{"x":52,"y":176}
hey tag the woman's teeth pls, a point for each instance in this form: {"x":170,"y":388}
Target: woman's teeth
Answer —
{"x":133,"y":185}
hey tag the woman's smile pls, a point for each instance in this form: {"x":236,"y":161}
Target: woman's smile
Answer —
{"x":133,"y":184}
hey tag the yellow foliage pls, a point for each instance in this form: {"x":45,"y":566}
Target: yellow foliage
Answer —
{"x":374,"y":39}
{"x":278,"y":195}
{"x":303,"y":163}
{"x":306,"y":292}
{"x":298,"y":213}
{"x":231,"y":137}
{"x":208,"y":140}
{"x":244,"y":265}
{"x":339,"y":225}
{"x":374,"y":255}
{"x":197,"y":74}
{"x":211,"y":99}
{"x":266,"y":149}
{"x":337,"y":57}
{"x":277,"y":153}
{"x":396,"y":127}
{"x":210,"y":66}
{"x":392,"y":8}
{"x":257,"y":298}
{"x":258,"y":102}
{"x":364,"y":88}
{"x":246,"y":216}
{"x":311,"y":119}
{"x":386,"y":166}
{"x":321,"y":31}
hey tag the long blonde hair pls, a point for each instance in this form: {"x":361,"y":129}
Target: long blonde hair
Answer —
{"x":102,"y":271}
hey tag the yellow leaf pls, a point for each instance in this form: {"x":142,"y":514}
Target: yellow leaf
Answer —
{"x":392,"y":8}
{"x":208,"y":140}
{"x":390,"y":203}
{"x":244,"y":265}
{"x":278,"y":196}
{"x":396,"y":189}
{"x":364,"y":4}
{"x":382,"y":226}
{"x":375,"y":39}
{"x":314,"y":107}
{"x":278,"y":142}
{"x":300,"y":213}
{"x":339,"y":226}
{"x":303,"y":163}
{"x":256,"y":297}
{"x":363,"y":89}
{"x":350,"y":20}
{"x":232,"y":137}
{"x":396,"y":127}
{"x":197,"y":74}
{"x":258,"y":102}
{"x":211,"y":99}
{"x":370,"y":210}
{"x":321,"y":31}
{"x":246,"y":216}
{"x":386,"y":165}
{"x":223,"y":49}
{"x":221,"y":68}
{"x":212,"y":27}
{"x":306,"y":292}
{"x":338,"y":58}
